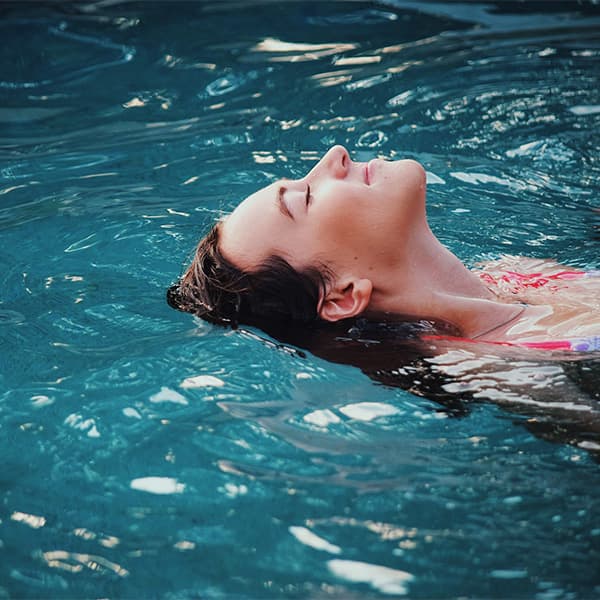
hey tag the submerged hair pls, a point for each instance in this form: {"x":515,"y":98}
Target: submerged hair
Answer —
{"x":272,"y":295}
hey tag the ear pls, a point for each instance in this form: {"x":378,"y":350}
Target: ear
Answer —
{"x":347,"y":299}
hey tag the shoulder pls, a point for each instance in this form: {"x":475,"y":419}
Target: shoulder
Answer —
{"x":527,"y":265}
{"x":540,"y":281}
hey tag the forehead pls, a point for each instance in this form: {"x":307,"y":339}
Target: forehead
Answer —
{"x":245,"y":232}
{"x":251,"y":210}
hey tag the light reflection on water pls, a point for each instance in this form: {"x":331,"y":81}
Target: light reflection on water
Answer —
{"x":148,"y":453}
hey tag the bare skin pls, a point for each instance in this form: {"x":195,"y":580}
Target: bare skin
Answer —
{"x":367,"y":222}
{"x":559,"y":305}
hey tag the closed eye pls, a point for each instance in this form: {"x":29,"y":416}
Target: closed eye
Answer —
{"x":308,"y":196}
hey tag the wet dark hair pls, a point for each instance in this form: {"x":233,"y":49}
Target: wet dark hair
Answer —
{"x":283,"y":303}
{"x":272,"y":295}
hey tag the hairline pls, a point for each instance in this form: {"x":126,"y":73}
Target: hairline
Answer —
{"x":325,"y":272}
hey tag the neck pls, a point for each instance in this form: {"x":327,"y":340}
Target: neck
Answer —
{"x":434,"y":284}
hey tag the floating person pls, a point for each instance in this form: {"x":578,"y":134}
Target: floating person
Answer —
{"x":350,"y":243}
{"x":343,"y":263}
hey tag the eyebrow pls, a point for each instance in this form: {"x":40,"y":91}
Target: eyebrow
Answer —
{"x":283,"y":209}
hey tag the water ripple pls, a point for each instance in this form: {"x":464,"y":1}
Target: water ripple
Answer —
{"x":125,"y":134}
{"x":119,"y":54}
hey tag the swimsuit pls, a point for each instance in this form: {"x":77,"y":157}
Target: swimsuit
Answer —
{"x":582,"y":344}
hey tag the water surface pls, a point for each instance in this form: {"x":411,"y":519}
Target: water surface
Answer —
{"x":146,"y":453}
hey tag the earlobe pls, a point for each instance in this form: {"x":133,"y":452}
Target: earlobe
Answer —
{"x":349,"y":299}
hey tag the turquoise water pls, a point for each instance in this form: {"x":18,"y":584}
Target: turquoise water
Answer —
{"x":148,"y":454}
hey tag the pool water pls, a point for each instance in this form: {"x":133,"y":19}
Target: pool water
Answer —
{"x":146,"y":453}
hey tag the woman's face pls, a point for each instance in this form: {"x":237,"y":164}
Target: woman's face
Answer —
{"x":355,"y":218}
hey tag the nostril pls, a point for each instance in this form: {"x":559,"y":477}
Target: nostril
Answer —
{"x":345,"y":162}
{"x":338,"y":161}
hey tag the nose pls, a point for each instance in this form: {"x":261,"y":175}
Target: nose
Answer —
{"x":335,"y":163}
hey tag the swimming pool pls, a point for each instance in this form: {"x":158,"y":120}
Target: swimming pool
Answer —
{"x":148,"y":454}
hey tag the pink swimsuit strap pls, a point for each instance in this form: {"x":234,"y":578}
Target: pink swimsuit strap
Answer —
{"x":583,"y":344}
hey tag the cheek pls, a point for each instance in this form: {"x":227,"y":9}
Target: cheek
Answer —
{"x":336,"y":238}
{"x":344,"y":218}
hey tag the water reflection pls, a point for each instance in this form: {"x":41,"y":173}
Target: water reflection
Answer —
{"x":82,"y":60}
{"x":125,"y":134}
{"x":74,"y":562}
{"x":281,"y":51}
{"x":556,"y":393}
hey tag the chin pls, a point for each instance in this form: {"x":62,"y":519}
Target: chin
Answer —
{"x":410,"y":176}
{"x":416,"y":169}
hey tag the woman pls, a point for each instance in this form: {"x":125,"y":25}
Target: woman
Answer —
{"x":351,"y":239}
